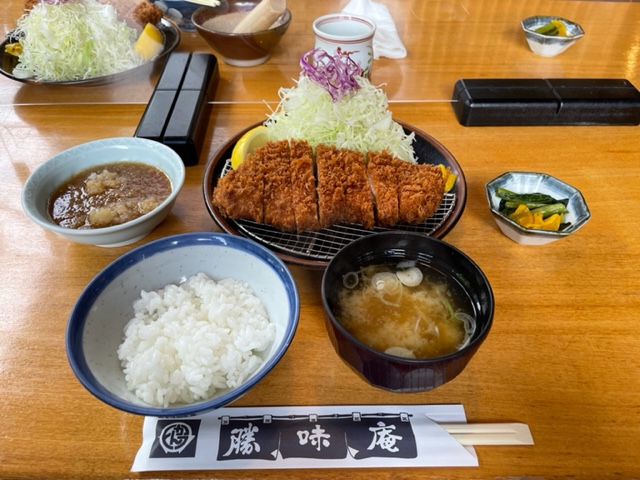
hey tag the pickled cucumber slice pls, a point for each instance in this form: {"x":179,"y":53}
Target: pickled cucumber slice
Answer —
{"x":553,"y":28}
{"x":547,"y":29}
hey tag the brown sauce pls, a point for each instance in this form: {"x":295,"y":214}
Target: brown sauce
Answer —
{"x":109,"y":195}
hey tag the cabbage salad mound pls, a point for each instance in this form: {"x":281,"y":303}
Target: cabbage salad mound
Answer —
{"x":189,"y":341}
{"x":334,"y":104}
{"x":62,"y":41}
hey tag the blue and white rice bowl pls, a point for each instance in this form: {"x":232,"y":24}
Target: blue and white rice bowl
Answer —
{"x":96,"y":324}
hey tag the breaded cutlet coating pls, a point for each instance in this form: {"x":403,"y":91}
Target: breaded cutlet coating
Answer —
{"x":29,"y":4}
{"x":303,"y":183}
{"x":238,"y":194}
{"x":278,"y":205}
{"x":329,"y":187}
{"x":344,"y":194}
{"x":420,"y":191}
{"x":276,"y":185}
{"x":384,"y":184}
{"x":146,"y":12}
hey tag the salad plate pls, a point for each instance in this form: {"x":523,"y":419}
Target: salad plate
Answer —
{"x":171,"y":39}
{"x":315,"y":249}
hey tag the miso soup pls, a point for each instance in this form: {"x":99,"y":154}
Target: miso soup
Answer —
{"x":406,"y":310}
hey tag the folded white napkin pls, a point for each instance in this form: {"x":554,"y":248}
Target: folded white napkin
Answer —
{"x":386,"y":41}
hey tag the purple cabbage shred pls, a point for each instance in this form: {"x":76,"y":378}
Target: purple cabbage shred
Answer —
{"x":336,"y":74}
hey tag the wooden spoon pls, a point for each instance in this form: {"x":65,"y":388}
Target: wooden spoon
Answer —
{"x":262,"y":16}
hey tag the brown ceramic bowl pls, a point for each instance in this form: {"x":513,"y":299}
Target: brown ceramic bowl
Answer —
{"x":391,"y":372}
{"x":238,"y":49}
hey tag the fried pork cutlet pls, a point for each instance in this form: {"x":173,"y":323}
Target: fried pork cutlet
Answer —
{"x":137,"y":13}
{"x":238,"y":194}
{"x":278,"y":205}
{"x":276,"y":185}
{"x":381,"y":168}
{"x":303,"y":184}
{"x":29,"y":4}
{"x":344,"y":194}
{"x":420,"y":191}
{"x":146,"y":12}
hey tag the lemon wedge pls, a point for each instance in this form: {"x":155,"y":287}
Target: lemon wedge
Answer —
{"x":248,"y":143}
{"x":448,"y":176}
{"x":150,"y":42}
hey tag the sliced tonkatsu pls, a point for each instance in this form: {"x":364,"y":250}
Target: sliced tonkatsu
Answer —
{"x":283,"y":185}
{"x":303,"y":185}
{"x":239,"y":193}
{"x":384,"y":183}
{"x":420,"y":191}
{"x":344,"y":194}
{"x":276,"y":196}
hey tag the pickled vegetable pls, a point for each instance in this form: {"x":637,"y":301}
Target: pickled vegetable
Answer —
{"x":533,"y":210}
{"x":448,"y":176}
{"x":555,"y":28}
{"x":529,"y":219}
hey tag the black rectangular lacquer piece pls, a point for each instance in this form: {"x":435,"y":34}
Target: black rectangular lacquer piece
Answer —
{"x":525,"y":101}
{"x":176,"y":112}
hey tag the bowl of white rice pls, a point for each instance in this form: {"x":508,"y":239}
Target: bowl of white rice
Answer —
{"x":182,"y":325}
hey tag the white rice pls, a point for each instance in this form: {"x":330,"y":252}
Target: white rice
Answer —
{"x":188,"y":341}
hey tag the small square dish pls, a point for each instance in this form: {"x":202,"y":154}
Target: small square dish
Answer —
{"x":545,"y":39}
{"x":531,"y":182}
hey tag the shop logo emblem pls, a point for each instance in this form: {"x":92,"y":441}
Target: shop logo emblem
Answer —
{"x":175,"y":438}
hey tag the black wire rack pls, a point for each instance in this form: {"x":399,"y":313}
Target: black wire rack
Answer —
{"x":315,"y":249}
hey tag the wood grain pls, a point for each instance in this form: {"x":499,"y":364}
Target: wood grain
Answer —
{"x":563,"y":353}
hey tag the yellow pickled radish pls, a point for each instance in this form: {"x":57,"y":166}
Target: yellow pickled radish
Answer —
{"x":523,"y":216}
{"x":562,"y":28}
{"x":150,"y":42}
{"x":448,"y":176}
{"x":528,"y":219}
{"x":553,"y":28}
{"x":551,"y":223}
{"x":248,"y":143}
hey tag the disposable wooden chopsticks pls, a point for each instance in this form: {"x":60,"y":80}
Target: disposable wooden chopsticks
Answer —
{"x":206,"y":3}
{"x":489,"y":433}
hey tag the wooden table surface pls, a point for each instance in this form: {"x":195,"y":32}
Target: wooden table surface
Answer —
{"x":563,"y":352}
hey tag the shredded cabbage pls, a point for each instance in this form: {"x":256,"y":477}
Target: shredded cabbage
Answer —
{"x":74,"y":40}
{"x":357,"y":121}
